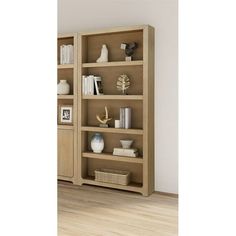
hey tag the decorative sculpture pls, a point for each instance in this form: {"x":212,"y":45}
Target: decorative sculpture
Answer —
{"x":123,"y":83}
{"x":104,"y":119}
{"x":129,"y":49}
{"x":104,"y":54}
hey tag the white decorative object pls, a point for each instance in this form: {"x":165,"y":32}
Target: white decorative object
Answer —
{"x":126,"y":143}
{"x":63,"y":87}
{"x":104,"y":54}
{"x":117,"y":123}
{"x":97,"y":143}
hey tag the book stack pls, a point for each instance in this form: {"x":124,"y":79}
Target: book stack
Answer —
{"x":125,"y":117}
{"x":66,"y":54}
{"x":92,"y":85}
{"x":129,"y":152}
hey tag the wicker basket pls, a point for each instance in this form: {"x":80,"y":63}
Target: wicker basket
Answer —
{"x":112,"y":176}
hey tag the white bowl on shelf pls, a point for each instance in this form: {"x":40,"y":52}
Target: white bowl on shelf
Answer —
{"x":126,"y":143}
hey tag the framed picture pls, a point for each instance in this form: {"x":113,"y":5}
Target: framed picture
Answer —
{"x":65,"y":114}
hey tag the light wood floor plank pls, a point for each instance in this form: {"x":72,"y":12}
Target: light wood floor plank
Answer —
{"x":94,"y":211}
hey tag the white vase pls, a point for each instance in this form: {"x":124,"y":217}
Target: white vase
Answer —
{"x":104,"y":54}
{"x":63,"y":87}
{"x":97,"y":143}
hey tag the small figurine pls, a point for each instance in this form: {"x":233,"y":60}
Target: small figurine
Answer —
{"x":104,"y":54}
{"x":123,"y":83}
{"x":104,"y":119}
{"x":129,"y":49}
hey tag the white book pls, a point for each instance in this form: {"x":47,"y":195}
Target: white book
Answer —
{"x":70,"y":49}
{"x":91,"y":85}
{"x":62,"y":59}
{"x":83,"y":84}
{"x":61,"y":49}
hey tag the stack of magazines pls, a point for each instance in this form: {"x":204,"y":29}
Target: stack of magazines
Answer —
{"x":66,"y":54}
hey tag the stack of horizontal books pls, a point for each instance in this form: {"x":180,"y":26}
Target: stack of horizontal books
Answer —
{"x":129,"y":152}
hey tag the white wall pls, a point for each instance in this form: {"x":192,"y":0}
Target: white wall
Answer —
{"x":84,"y":15}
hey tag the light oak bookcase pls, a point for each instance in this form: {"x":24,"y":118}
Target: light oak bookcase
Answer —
{"x":140,"y":98}
{"x":67,"y":135}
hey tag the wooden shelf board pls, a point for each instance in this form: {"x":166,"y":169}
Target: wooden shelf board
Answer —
{"x":112,"y":130}
{"x":109,"y":156}
{"x":113,"y":63}
{"x":136,"y":187}
{"x":65,"y":66}
{"x":114,"y":97}
{"x":71,"y":127}
{"x":65,"y":96}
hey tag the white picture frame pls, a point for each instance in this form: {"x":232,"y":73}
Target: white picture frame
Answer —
{"x":65,"y":114}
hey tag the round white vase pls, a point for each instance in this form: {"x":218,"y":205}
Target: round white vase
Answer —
{"x":97,"y":143}
{"x":63,"y":87}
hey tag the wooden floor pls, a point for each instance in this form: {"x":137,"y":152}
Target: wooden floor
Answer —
{"x":95,"y":211}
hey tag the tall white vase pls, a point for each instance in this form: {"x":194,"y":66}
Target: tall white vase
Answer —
{"x":63,"y":87}
{"x":104,"y":54}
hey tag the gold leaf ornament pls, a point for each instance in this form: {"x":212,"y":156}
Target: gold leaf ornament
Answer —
{"x":123,"y":83}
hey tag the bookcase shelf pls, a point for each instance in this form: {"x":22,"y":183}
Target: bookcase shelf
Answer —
{"x":114,"y":97}
{"x":112,"y":130}
{"x":66,"y":127}
{"x":65,"y":66}
{"x":65,"y":96}
{"x":135,"y":187}
{"x":109,"y":156}
{"x":113,"y":63}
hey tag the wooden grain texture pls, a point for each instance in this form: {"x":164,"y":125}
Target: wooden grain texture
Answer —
{"x":96,"y":211}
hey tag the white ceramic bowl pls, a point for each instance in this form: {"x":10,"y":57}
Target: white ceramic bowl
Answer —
{"x":126,"y":143}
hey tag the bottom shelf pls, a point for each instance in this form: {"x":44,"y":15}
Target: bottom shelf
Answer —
{"x":135,"y":187}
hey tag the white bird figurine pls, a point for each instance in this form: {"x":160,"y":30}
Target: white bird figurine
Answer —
{"x":104,"y":54}
{"x":104,"y":118}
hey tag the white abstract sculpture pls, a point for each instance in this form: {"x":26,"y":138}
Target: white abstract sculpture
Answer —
{"x":104,"y":54}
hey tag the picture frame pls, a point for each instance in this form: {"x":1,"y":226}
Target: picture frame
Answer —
{"x":65,"y":114}
{"x":98,"y":85}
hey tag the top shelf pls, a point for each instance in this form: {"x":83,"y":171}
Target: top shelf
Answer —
{"x":114,"y":63}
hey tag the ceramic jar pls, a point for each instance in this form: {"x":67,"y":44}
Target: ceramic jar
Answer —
{"x":63,"y":87}
{"x":97,"y":143}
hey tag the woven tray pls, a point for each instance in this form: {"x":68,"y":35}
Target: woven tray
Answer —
{"x":112,"y":176}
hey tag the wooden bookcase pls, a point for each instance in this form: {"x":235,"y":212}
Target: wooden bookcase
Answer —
{"x":67,"y":135}
{"x":140,"y":99}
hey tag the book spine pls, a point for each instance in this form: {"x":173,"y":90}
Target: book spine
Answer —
{"x":127,"y":124}
{"x":122,"y":117}
{"x":83,"y":84}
